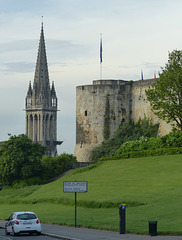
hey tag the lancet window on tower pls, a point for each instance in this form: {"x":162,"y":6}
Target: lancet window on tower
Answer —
{"x":29,"y":101}
{"x":54,"y":102}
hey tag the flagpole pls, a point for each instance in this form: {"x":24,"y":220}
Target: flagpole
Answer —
{"x":100,"y":56}
{"x":100,"y":71}
{"x":141,"y":74}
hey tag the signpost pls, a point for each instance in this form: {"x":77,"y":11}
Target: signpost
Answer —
{"x":76,"y":187}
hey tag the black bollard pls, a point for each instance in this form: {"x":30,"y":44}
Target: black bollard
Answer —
{"x":122,"y":224}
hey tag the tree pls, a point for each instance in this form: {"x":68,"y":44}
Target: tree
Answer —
{"x":165,"y":95}
{"x":55,"y":166}
{"x":20,"y":159}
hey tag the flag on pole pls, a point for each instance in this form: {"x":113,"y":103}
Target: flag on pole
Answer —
{"x":101,"y":48}
{"x":155,"y":74}
{"x":141,"y":74}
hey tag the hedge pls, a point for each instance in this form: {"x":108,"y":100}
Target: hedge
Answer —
{"x":145,"y":153}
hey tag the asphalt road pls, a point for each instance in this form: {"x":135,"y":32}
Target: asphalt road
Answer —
{"x":23,"y":237}
{"x":70,"y":233}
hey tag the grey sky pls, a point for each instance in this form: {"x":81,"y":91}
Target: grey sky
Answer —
{"x":137,"y":34}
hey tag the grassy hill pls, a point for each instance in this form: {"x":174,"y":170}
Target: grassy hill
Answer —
{"x":151,"y":188}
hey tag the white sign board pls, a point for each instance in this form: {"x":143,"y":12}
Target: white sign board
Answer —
{"x":76,"y":186}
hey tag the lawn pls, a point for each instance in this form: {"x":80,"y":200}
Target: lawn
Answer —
{"x":151,"y":188}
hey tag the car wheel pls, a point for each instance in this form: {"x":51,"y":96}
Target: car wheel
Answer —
{"x":38,"y":233}
{"x":13,"y":232}
{"x":6,"y":231}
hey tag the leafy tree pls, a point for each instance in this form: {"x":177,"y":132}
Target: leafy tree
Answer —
{"x":165,"y":96}
{"x":54,"y":166}
{"x":20,"y":159}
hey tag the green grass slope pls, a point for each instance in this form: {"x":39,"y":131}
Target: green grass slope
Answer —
{"x":151,"y":188}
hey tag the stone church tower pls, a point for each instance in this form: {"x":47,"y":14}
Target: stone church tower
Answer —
{"x":41,"y":105}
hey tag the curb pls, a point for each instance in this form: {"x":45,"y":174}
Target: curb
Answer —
{"x":58,"y":236}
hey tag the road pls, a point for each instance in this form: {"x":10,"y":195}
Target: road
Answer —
{"x":23,"y":237}
{"x":52,"y":231}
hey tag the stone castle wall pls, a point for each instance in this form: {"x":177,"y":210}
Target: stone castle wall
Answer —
{"x":104,"y":105}
{"x":141,"y":107}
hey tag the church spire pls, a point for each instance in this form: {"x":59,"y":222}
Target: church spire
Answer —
{"x":41,"y":78}
{"x":41,"y":104}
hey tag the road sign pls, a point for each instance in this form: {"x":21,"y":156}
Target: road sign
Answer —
{"x":75,"y":186}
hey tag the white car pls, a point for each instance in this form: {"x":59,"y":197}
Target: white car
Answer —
{"x":22,"y":222}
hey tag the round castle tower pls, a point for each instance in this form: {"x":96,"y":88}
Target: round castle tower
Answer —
{"x":100,"y":108}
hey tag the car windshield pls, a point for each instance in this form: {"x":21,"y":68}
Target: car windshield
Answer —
{"x":26,"y":216}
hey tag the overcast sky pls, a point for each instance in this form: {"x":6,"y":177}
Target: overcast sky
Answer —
{"x":136,"y":34}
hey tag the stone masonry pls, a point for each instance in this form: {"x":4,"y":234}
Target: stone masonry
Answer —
{"x":104,"y":105}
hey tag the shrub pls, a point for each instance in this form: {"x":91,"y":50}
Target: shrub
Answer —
{"x":173,"y":139}
{"x":27,"y":182}
{"x":142,"y":144}
{"x":126,"y":132}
